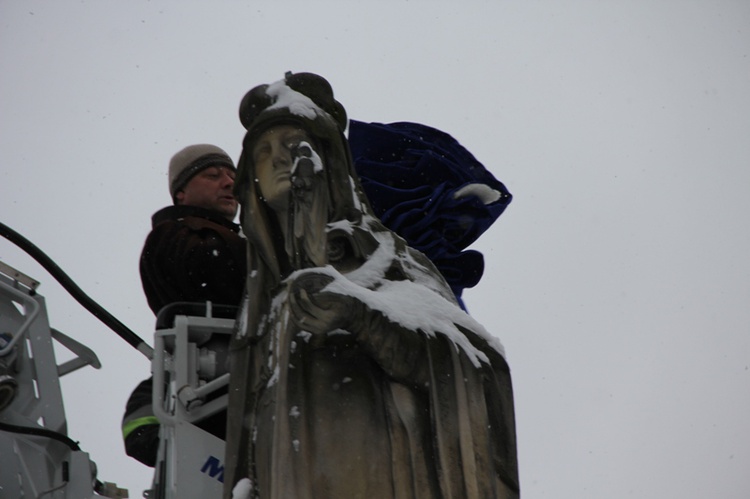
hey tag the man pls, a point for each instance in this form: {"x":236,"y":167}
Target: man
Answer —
{"x":194,"y":253}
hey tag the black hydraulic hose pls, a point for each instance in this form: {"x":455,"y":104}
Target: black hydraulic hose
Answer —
{"x":40,"y":432}
{"x":71,"y":287}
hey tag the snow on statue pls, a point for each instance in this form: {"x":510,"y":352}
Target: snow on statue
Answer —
{"x":355,"y":373}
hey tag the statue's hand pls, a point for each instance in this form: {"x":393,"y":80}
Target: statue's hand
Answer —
{"x":398,"y":350}
{"x":320,"y":312}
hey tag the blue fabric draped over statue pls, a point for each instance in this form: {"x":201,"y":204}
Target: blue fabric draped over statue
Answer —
{"x":416,"y":179}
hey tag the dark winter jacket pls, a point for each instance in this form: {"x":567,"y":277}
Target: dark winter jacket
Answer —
{"x":192,"y":254}
{"x":140,"y":428}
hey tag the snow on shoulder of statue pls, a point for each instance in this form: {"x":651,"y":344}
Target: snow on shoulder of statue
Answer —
{"x":435,"y":315}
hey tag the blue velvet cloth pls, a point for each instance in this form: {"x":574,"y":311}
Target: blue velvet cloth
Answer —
{"x":410,"y":173}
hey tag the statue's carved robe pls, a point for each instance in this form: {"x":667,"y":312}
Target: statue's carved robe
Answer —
{"x":380,"y":412}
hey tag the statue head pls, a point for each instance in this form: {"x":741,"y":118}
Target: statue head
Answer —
{"x":290,"y":123}
{"x":305,"y":98}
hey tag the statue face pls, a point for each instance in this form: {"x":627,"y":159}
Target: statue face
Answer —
{"x":272,"y":156}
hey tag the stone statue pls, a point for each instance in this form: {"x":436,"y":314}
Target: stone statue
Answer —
{"x":355,"y":374}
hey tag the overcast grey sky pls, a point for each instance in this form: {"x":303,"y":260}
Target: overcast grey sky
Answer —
{"x":618,"y":279}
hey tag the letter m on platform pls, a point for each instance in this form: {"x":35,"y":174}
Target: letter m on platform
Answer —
{"x":214,"y":468}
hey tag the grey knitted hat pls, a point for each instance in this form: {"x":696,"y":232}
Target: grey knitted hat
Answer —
{"x":191,"y":160}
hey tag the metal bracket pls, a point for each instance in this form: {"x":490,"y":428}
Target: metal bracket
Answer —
{"x":19,"y":276}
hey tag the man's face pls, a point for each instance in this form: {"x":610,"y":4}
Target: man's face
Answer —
{"x":211,"y":188}
{"x":272,"y":156}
